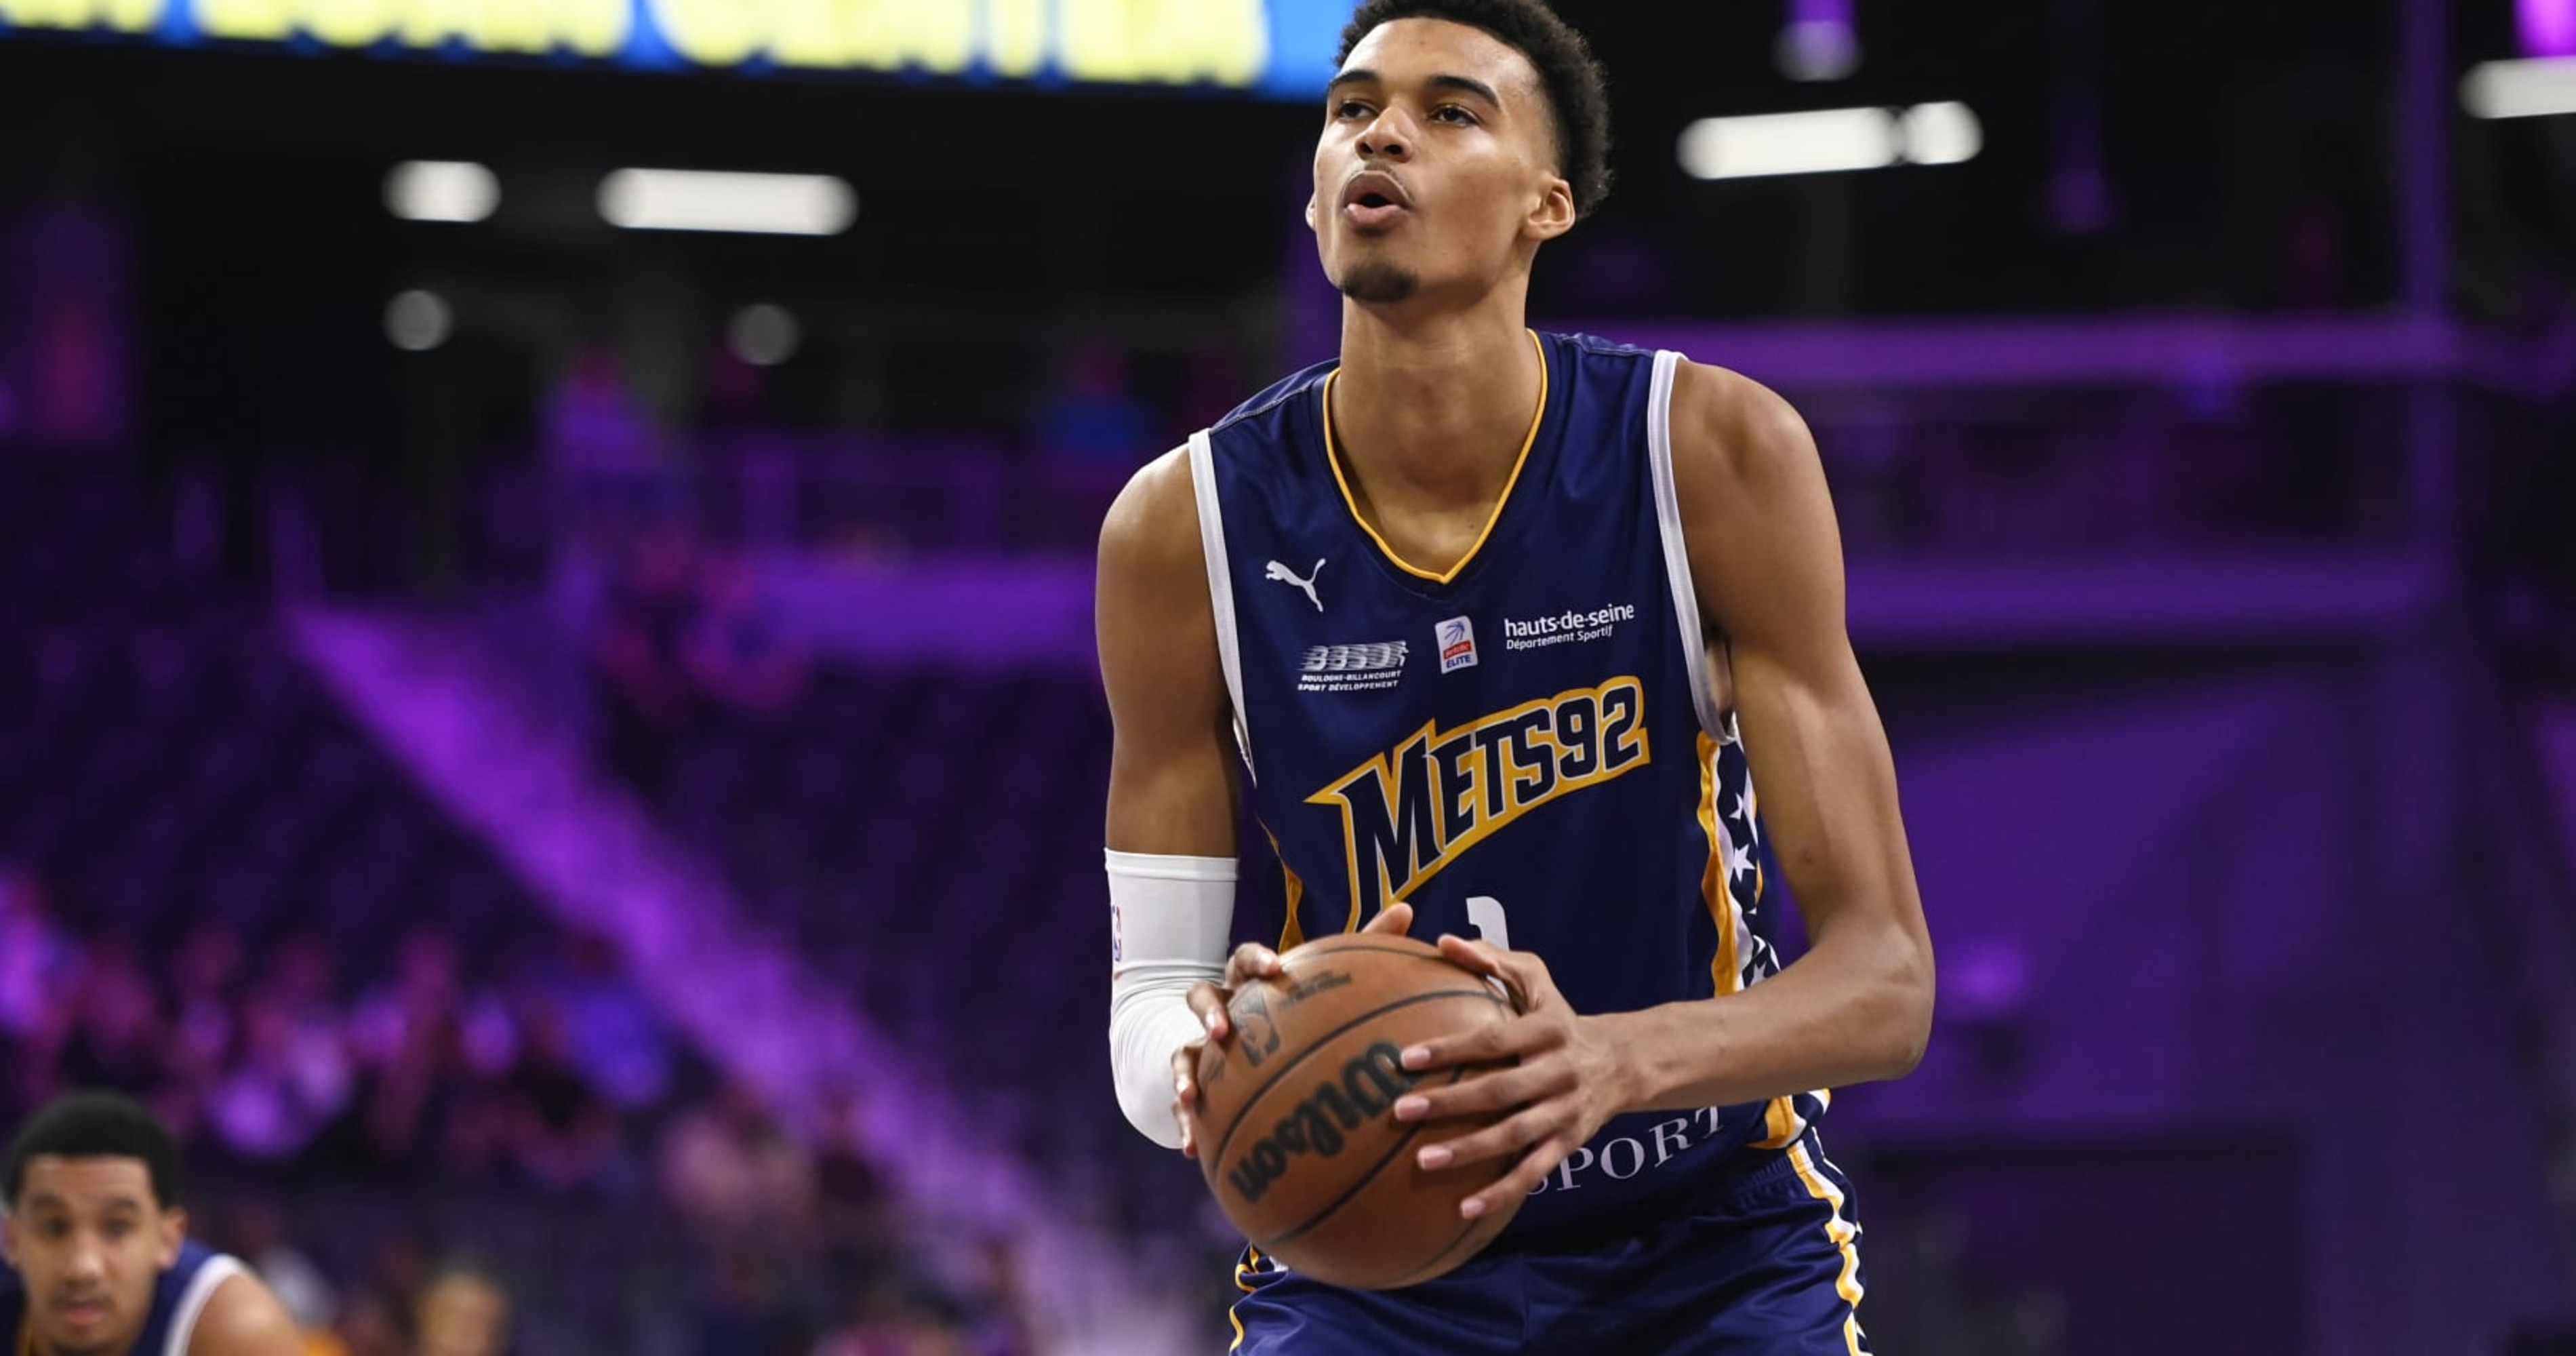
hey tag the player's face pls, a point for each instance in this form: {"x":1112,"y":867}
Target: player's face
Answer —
{"x":1437,"y":163}
{"x":88,"y":1240}
{"x":462,"y":1316}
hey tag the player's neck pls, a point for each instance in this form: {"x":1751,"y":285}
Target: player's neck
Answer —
{"x":1432,"y":410}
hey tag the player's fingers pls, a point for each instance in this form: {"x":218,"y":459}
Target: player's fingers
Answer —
{"x":1492,"y":1090}
{"x":1503,"y":1040}
{"x":1509,"y":1136}
{"x":1521,"y":1180}
{"x":1396,"y":918}
{"x":1251,"y":961}
{"x":1208,"y":1002}
{"x":1523,"y":976}
{"x":1185,"y":1094}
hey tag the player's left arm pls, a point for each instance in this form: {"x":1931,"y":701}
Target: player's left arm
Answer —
{"x":1766,"y":560}
{"x":243,"y":1319}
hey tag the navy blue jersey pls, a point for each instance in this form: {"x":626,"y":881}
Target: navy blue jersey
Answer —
{"x":177,"y":1298}
{"x":1526,"y":746}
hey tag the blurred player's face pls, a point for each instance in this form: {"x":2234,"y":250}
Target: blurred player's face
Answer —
{"x":1437,"y":167}
{"x":89,"y":1240}
{"x":462,"y":1316}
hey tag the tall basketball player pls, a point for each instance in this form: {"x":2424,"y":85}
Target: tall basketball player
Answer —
{"x":100,"y":1263}
{"x":1506,"y":627}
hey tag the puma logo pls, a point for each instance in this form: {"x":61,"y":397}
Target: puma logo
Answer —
{"x":1288,"y":576}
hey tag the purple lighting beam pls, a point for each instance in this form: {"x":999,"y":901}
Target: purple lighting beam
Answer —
{"x":2548,"y":27}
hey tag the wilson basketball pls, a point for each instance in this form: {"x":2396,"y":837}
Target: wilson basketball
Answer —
{"x":1297,"y":1130}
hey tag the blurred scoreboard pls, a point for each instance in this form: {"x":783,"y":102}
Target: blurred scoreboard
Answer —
{"x":1277,"y":48}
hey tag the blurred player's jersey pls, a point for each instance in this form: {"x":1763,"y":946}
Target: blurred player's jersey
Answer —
{"x":1526,"y":747}
{"x":177,"y":1298}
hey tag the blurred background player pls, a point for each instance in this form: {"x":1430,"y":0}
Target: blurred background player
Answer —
{"x":100,"y":1262}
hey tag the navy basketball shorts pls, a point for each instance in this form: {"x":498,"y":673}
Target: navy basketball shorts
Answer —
{"x":1761,"y":1263}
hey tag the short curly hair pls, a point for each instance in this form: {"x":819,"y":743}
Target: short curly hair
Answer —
{"x":94,"y":1123}
{"x":1577,"y":87}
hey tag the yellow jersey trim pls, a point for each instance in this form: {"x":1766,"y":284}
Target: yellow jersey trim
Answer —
{"x":1842,"y":1231}
{"x":1333,"y":457}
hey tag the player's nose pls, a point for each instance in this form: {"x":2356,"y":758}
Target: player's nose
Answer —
{"x":1388,"y":136}
{"x":84,"y":1260}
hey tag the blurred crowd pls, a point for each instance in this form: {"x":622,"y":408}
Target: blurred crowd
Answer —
{"x":328,"y":1114}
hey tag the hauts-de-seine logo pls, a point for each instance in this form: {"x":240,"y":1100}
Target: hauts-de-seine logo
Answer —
{"x":1570,"y":627}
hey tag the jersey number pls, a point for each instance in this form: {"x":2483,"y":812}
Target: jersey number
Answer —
{"x":1485,"y":914}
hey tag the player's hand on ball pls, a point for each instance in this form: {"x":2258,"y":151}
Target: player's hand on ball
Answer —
{"x":1566,"y":1083}
{"x":1250,"y":961}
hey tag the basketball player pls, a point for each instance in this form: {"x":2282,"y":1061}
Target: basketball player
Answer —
{"x":1506,"y":627}
{"x":100,"y":1263}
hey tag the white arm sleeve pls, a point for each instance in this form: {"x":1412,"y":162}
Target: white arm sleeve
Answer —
{"x":1168,"y":921}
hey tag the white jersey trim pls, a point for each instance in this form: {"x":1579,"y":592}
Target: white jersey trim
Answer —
{"x":213,"y":1272}
{"x":1229,"y":646}
{"x":1677,"y":570}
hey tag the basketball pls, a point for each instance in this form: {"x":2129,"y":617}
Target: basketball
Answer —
{"x":1297,"y":1131}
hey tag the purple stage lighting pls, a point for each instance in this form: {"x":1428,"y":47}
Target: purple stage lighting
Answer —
{"x":1819,"y":42}
{"x":2548,"y":27}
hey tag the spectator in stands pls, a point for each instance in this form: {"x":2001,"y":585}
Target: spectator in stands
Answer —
{"x":288,"y":1084}
{"x":731,"y":1169}
{"x":558,"y":1131}
{"x":204,"y":979}
{"x":896,"y":1317}
{"x":39,"y":965}
{"x":998,"y":1299}
{"x":746,"y":1312}
{"x":731,"y":649}
{"x":370,"y":1326}
{"x":854,"y":1209}
{"x":255,"y":1231}
{"x":463,"y":1310}
{"x":648,"y":700}
{"x":1095,"y":417}
{"x":418,"y":1039}
{"x":618,"y":1040}
{"x":119,"y":1035}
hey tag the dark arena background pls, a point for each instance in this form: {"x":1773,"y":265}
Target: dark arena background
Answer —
{"x":547,"y":707}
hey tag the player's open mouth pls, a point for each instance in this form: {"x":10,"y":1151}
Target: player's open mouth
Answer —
{"x":1374,"y":199}
{"x":83,"y":1312}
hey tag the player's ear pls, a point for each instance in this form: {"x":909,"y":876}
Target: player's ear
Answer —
{"x":1310,"y":211}
{"x":9,"y":1240}
{"x":172,"y":1231}
{"x":1552,"y":214}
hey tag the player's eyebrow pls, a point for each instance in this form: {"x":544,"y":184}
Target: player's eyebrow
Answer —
{"x":1456,"y":84}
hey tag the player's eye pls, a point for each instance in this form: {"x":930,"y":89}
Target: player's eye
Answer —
{"x":1454,"y":113}
{"x":1350,"y":108}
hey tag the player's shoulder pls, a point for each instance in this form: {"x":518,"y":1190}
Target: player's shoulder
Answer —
{"x":1153,"y":523}
{"x":242,"y":1318}
{"x":1729,"y":429}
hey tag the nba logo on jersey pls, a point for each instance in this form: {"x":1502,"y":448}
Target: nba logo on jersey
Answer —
{"x":1457,"y":644}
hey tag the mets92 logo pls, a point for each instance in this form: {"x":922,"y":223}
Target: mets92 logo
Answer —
{"x":1409,"y":812}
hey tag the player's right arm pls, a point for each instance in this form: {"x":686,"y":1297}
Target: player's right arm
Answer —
{"x":1172,"y":804}
{"x":1171,"y":773}
{"x":1171,"y":798}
